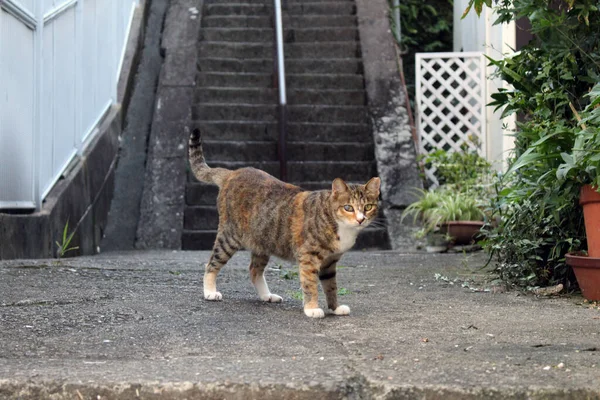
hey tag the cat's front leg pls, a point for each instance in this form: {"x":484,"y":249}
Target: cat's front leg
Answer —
{"x":327,"y":275}
{"x":309,"y":276}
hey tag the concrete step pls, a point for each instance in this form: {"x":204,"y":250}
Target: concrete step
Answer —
{"x":201,"y":194}
{"x":266,"y":9}
{"x":198,"y":240}
{"x":268,"y":113}
{"x":235,"y":95}
{"x":373,"y":238}
{"x":298,"y":131}
{"x":296,"y":151}
{"x":298,"y":35}
{"x":348,"y":49}
{"x":200,"y":218}
{"x":233,"y":8}
{"x":269,"y":96}
{"x":300,"y":171}
{"x":344,"y":151}
{"x":325,"y":81}
{"x":216,"y":151}
{"x":235,"y":112}
{"x":325,"y":113}
{"x":292,"y":65}
{"x":370,"y":238}
{"x":320,"y":34}
{"x":258,"y":35}
{"x":301,"y":21}
{"x":229,"y":79}
{"x":294,"y":81}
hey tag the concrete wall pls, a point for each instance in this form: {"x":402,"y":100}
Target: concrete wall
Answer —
{"x":82,"y":196}
{"x":386,"y":96}
{"x":161,"y":215}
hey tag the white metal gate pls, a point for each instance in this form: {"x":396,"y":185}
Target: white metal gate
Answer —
{"x":450,"y":95}
{"x":59,"y":65}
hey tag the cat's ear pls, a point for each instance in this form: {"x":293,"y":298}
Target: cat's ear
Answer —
{"x":373,"y":186}
{"x":339,"y":186}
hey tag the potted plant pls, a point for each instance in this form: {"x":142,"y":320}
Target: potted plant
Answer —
{"x":581,"y":165}
{"x":453,"y":214}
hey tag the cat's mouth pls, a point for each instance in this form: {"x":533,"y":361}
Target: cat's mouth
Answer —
{"x":357,"y":225}
{"x":363,"y":224}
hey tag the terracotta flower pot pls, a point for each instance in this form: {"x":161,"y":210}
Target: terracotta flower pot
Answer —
{"x":590,"y":201}
{"x":587,"y":272}
{"x":463,"y":232}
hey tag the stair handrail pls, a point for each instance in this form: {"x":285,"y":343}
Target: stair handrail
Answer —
{"x":279,"y":72}
{"x":397,"y":31}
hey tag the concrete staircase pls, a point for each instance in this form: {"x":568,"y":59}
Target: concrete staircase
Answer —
{"x":235,"y":103}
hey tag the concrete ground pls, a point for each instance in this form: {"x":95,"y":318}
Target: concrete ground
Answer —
{"x":129,"y":325}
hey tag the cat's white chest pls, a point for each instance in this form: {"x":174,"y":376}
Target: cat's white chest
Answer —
{"x":347,"y":238}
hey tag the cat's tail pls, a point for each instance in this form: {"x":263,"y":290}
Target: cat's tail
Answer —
{"x":201,"y":170}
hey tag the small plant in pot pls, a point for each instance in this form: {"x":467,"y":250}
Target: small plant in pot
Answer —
{"x":581,"y":166}
{"x":454,"y":215}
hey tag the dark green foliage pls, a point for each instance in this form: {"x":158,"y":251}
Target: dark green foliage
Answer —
{"x":426,"y":26}
{"x":540,"y":219}
{"x":459,"y":169}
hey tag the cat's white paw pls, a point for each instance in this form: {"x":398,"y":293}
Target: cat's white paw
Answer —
{"x":314,"y":312}
{"x":342,"y":310}
{"x":272,"y":298}
{"x":213,"y":296}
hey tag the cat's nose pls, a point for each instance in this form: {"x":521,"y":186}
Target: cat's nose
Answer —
{"x":360,"y":218}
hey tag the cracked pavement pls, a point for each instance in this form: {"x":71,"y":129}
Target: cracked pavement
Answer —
{"x":123,"y":325}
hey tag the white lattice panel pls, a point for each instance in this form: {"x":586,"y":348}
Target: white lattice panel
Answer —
{"x":450,"y":94}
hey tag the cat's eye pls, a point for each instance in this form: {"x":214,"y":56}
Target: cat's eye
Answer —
{"x":368,"y":207}
{"x":348,"y":208}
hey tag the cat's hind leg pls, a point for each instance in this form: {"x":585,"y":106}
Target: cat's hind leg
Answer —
{"x":223,"y":249}
{"x":257,"y":276}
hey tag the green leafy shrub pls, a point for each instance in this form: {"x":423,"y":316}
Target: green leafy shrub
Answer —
{"x":425,"y":26}
{"x":460,"y":170}
{"x":540,"y":219}
{"x":582,"y":163}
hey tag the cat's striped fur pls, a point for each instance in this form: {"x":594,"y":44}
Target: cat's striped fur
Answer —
{"x":262,"y":214}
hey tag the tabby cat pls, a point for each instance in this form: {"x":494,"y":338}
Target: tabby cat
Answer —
{"x":262,"y":214}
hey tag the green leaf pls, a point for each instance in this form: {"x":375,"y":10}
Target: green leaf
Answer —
{"x":65,"y":230}
{"x":527,"y":158}
{"x":595,"y":158}
{"x":594,"y":95}
{"x":563,"y":171}
{"x":464,"y":14}
{"x":567,"y":158}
